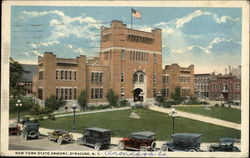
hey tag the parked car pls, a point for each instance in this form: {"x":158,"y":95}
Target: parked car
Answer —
{"x":98,"y":138}
{"x":143,"y":141}
{"x":225,"y":144}
{"x":183,"y":142}
{"x":14,"y":129}
{"x":60,"y":136}
{"x":30,"y":130}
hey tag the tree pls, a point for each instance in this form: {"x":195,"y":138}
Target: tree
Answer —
{"x":159,"y":99}
{"x":177,"y":95}
{"x":17,"y":88}
{"x":51,"y":104}
{"x":82,"y":99}
{"x":112,"y":98}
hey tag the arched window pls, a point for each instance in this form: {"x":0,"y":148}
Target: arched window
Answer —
{"x":135,"y":77}
{"x":141,"y":78}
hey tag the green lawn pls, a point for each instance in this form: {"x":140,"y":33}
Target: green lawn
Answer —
{"x":223,"y":113}
{"x":121,"y":125}
{"x":13,"y":115}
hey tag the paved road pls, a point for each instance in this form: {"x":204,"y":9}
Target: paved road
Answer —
{"x":199,"y":117}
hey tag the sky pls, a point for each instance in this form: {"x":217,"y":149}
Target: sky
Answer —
{"x":209,"y":38}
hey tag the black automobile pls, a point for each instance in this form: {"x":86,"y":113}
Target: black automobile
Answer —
{"x":30,"y":130}
{"x":98,"y":138}
{"x":183,"y":142}
{"x":225,"y":144}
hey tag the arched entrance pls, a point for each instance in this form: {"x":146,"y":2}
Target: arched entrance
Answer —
{"x":137,"y":96}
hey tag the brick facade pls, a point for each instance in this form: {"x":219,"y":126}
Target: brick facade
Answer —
{"x":130,"y":63}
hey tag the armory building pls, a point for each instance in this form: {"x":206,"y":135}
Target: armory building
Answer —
{"x":129,"y":62}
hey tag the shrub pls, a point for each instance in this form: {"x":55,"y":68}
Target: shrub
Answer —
{"x":222,"y":105}
{"x":82,"y":99}
{"x":51,"y":117}
{"x":168,"y":104}
{"x":229,"y":105}
{"x":93,"y":107}
{"x":40,"y":117}
{"x":51,"y":104}
{"x":124,"y":102}
{"x":216,"y":105}
{"x":112,"y":98}
{"x":27,"y":103}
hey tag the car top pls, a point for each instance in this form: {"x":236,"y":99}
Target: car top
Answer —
{"x":143,"y":133}
{"x":97,"y":129}
{"x":186,"y":135}
{"x":61,"y":131}
{"x":13,"y":125}
{"x":227,"y":139}
{"x":31,"y":124}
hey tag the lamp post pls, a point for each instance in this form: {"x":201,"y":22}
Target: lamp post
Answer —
{"x":74,"y":120}
{"x":141,"y":95}
{"x":173,"y":114}
{"x":221,"y":99}
{"x":18,"y":105}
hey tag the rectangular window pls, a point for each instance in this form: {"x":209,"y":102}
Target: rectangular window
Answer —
{"x":100,"y":79}
{"x":75,"y":93}
{"x":74,"y":75}
{"x":164,"y":92}
{"x":57,"y":94}
{"x":57,"y":75}
{"x":70,"y":75}
{"x":122,"y":77}
{"x":96,"y":93}
{"x":66,"y":75}
{"x":40,"y":75}
{"x":154,"y":77}
{"x":92,"y":93}
{"x":155,"y":58}
{"x":96,"y":77}
{"x":167,"y":93}
{"x":70,"y":93}
{"x":66,"y":94}
{"x":123,"y":54}
{"x":61,"y":94}
{"x":62,"y":75}
{"x":130,"y":55}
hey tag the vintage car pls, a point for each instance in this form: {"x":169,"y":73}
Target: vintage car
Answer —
{"x":98,"y":138}
{"x":225,"y":144}
{"x":30,"y":130}
{"x":143,"y":141}
{"x":60,"y":136}
{"x":14,"y":129}
{"x":183,"y":142}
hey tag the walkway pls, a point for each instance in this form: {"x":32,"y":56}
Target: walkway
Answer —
{"x":199,"y":117}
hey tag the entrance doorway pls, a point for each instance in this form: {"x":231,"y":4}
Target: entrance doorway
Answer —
{"x":137,"y":96}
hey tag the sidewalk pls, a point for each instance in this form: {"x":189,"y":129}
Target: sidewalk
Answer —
{"x":199,"y":117}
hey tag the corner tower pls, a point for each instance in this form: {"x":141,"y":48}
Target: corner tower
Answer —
{"x":135,"y":61}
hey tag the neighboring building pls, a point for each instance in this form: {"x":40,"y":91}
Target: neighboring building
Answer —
{"x":202,"y":85}
{"x":235,"y":71}
{"x":130,"y":63}
{"x":228,"y":86}
{"x":30,"y":71}
{"x":176,"y":76}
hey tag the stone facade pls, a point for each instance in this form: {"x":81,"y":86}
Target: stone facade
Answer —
{"x":129,"y":62}
{"x":202,"y":85}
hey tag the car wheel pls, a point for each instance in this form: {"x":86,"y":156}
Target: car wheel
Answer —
{"x":164,"y":148}
{"x":153,"y":145}
{"x":121,"y":145}
{"x":59,"y":141}
{"x":191,"y":150}
{"x":143,"y":148}
{"x":210,"y":149}
{"x":33,"y":134}
{"x":97,"y":147}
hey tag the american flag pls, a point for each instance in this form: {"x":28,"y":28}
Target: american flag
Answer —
{"x":136,"y":13}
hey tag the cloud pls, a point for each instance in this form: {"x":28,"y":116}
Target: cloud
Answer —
{"x":37,"y":53}
{"x":223,"y":19}
{"x":70,"y":46}
{"x":79,"y":51}
{"x":206,"y":50}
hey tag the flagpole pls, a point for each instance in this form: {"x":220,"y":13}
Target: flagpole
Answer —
{"x":131,"y":18}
